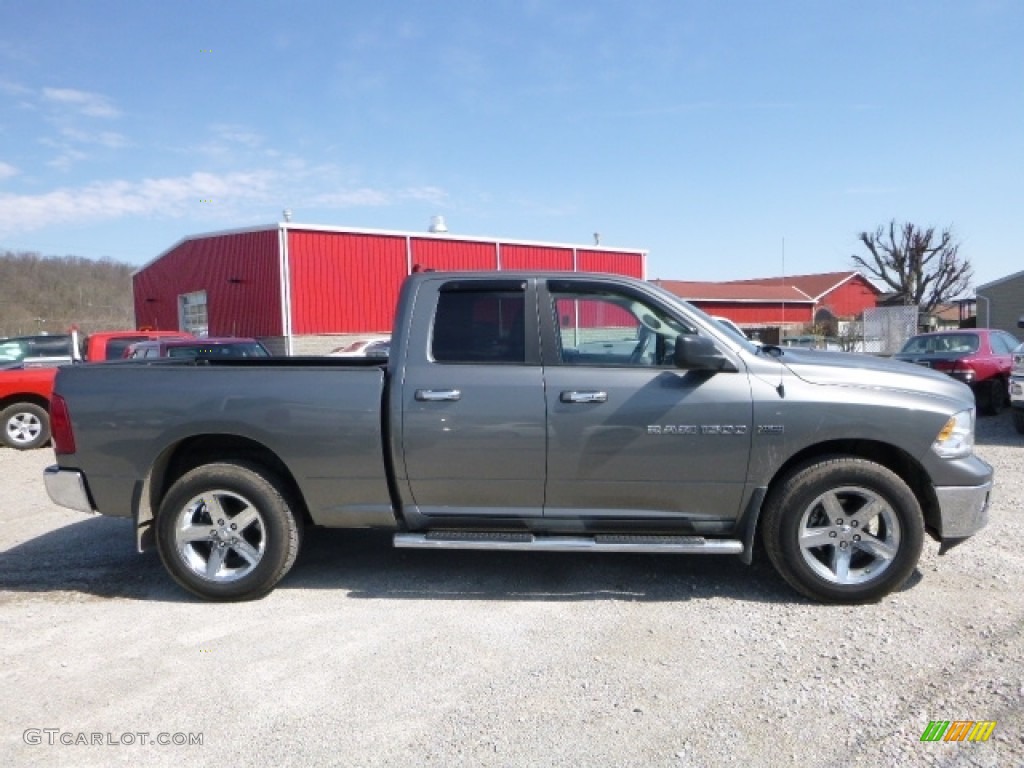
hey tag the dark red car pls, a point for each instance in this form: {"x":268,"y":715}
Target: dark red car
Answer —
{"x":197,"y":347}
{"x":980,"y":357}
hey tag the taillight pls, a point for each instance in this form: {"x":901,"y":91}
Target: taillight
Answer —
{"x":963,"y":370}
{"x":60,"y":426}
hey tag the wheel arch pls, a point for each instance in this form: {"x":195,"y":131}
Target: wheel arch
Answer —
{"x":197,"y":451}
{"x":25,"y":397}
{"x":896,"y":460}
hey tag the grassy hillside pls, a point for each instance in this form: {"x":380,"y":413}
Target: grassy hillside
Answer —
{"x":51,"y":294}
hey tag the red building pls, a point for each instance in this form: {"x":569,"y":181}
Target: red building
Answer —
{"x":784,"y":303}
{"x":305,"y":289}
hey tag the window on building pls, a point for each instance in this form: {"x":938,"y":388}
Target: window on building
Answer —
{"x":192,"y":315}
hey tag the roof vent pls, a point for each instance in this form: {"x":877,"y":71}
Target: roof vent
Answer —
{"x":287,"y":213}
{"x":437,"y":224}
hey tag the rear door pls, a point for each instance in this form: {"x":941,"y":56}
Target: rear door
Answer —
{"x":472,"y":401}
{"x":629,"y":435}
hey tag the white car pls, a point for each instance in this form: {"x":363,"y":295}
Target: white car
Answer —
{"x":729,"y":325}
{"x":371,"y":346}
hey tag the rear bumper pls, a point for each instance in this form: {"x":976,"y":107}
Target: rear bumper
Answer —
{"x":1017,"y":391}
{"x":66,"y":487}
{"x":963,"y":509}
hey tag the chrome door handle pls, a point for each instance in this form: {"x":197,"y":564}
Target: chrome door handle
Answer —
{"x":437,"y":395}
{"x":590,"y":396}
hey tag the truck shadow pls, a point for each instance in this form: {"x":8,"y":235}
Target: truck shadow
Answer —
{"x":93,"y":557}
{"x":369,"y":567}
{"x":372,"y":568}
{"x":96,"y":557}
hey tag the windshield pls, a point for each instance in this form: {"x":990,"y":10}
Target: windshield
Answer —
{"x":701,"y":314}
{"x":941,"y":343}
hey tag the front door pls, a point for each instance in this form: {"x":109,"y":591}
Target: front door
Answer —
{"x":630,"y":435}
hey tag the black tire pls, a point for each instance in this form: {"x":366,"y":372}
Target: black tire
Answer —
{"x":871,"y":530}
{"x":226,"y":532}
{"x":991,"y":397}
{"x":24,"y":426}
{"x":1018,"y":421}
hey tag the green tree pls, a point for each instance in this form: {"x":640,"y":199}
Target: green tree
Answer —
{"x":922,"y":265}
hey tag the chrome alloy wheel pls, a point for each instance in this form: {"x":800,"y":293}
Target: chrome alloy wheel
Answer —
{"x":23,"y":428}
{"x":849,"y":535}
{"x":220,"y":536}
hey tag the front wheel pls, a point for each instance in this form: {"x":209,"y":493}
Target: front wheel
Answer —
{"x":24,"y":426}
{"x":226,"y":532}
{"x":843,"y":530}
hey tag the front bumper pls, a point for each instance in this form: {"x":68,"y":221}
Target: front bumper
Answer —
{"x":963,"y":510}
{"x":66,"y":487}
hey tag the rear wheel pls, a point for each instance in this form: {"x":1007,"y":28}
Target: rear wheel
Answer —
{"x":226,"y":532}
{"x":24,"y":426}
{"x":843,"y":530}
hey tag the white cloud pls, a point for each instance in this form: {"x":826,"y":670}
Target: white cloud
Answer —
{"x":353,"y":198}
{"x":14,"y":89}
{"x":237,"y":134}
{"x":86,"y":102}
{"x":7,"y":170}
{"x":434,"y":195}
{"x":368,"y":197}
{"x":68,"y":157}
{"x":109,"y":139}
{"x":178,"y":196}
{"x":116,"y":199}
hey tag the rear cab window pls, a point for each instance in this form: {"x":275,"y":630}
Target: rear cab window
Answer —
{"x":480,"y":322}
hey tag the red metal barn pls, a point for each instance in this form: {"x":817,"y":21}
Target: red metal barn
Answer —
{"x":844,"y":294}
{"x":787,"y":303}
{"x":306,"y":289}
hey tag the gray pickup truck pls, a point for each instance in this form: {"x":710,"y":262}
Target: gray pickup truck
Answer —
{"x":557,"y":412}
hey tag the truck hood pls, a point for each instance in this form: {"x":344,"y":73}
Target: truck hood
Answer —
{"x":860,"y":370}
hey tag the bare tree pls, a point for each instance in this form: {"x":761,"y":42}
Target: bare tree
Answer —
{"x":925,"y":267}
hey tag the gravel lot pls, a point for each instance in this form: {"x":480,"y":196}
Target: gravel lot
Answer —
{"x":366,"y":655}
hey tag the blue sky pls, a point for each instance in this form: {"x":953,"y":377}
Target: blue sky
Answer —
{"x":730,"y":139}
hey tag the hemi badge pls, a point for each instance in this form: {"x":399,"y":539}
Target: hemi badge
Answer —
{"x":770,"y":429}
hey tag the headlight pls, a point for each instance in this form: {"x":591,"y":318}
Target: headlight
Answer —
{"x":956,"y":438}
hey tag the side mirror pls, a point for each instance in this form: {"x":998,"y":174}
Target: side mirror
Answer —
{"x":1020,"y":321}
{"x":699,"y":353}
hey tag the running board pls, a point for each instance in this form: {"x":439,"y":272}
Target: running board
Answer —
{"x":688,"y":545}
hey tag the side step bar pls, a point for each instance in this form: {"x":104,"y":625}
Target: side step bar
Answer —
{"x":689,"y":545}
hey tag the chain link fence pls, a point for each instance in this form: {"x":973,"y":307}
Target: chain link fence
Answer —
{"x":886,"y":329}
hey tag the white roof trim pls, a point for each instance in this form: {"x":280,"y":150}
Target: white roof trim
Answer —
{"x":720,"y":299}
{"x":466,"y":238}
{"x":846,"y":279}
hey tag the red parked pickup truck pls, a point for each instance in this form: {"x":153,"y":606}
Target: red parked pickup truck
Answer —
{"x":25,"y":391}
